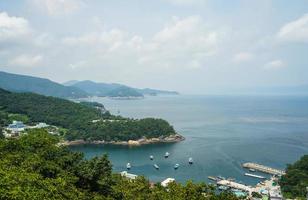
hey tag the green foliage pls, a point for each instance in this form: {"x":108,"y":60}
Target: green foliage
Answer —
{"x":34,"y":167}
{"x":19,"y":117}
{"x":22,"y":83}
{"x":294,"y":183}
{"x":77,"y":118}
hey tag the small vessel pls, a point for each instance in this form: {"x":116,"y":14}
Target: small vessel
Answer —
{"x":252,"y":170}
{"x":190,"y":160}
{"x":221,"y":178}
{"x":167,"y":154}
{"x":231,"y":179}
{"x":156,"y":166}
{"x":176,"y":166}
{"x":212,"y":178}
{"x":222,"y":187}
{"x":255,"y":176}
{"x":128,"y":166}
{"x":151,"y":157}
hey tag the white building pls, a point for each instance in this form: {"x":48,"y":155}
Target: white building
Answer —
{"x":128,"y":175}
{"x":166,"y":182}
{"x":16,"y":127}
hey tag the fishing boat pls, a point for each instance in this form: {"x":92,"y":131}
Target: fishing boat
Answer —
{"x":156,"y":166}
{"x":212,"y":178}
{"x":190,"y":160}
{"x":176,"y":166}
{"x":252,"y":170}
{"x":128,"y":166}
{"x":151,"y":157}
{"x":221,"y":178}
{"x":167,"y":154}
{"x":222,"y":187}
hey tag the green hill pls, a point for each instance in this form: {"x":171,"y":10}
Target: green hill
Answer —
{"x":115,"y":90}
{"x":77,"y":118}
{"x":22,"y":83}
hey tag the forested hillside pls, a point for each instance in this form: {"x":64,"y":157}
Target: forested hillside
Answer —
{"x":34,"y":167}
{"x":78,"y":118}
{"x":22,"y":83}
{"x":295,"y":182}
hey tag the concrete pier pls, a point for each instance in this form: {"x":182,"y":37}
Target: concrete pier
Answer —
{"x":264,"y":169}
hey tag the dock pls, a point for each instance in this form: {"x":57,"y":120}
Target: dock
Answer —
{"x":265,"y":169}
{"x":255,"y":176}
{"x":235,"y":185}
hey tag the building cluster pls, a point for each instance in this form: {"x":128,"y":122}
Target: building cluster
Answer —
{"x":18,"y":128}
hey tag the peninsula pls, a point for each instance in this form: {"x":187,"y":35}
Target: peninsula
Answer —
{"x":85,"y":122}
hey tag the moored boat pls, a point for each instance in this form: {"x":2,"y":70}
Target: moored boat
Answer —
{"x":190,"y":160}
{"x":176,"y":166}
{"x":156,"y":166}
{"x":128,"y":166}
{"x":167,"y":154}
{"x":252,"y":170}
{"x":151,"y":157}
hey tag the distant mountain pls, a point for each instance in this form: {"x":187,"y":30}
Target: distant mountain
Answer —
{"x":115,"y":90}
{"x":22,"y":83}
{"x":148,"y":91}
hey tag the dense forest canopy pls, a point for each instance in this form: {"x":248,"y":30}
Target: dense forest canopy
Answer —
{"x":294,"y":183}
{"x":78,"y":118}
{"x":34,"y":167}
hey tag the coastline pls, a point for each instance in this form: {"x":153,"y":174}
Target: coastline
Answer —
{"x":143,"y":141}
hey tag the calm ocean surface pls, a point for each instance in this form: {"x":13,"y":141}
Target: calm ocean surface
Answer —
{"x":221,"y":133}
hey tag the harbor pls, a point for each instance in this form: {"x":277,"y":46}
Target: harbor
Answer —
{"x":265,"y":169}
{"x":265,"y":187}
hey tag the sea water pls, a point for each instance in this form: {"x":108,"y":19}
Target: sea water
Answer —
{"x":221,"y":132}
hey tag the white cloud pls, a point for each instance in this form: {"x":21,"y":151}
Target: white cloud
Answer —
{"x":59,"y":7}
{"x":185,"y":42}
{"x":26,"y":60}
{"x":295,"y":31}
{"x":274,"y":65}
{"x":243,"y":57}
{"x":12,"y":27}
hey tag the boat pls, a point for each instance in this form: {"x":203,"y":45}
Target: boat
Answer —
{"x":231,"y":179}
{"x":255,"y":176}
{"x":167,"y":154}
{"x":221,"y":178}
{"x":252,"y":170}
{"x":176,"y":166}
{"x":212,"y":178}
{"x":156,"y":166}
{"x":222,"y":187}
{"x":190,"y":160}
{"x":128,"y":166}
{"x":151,"y":157}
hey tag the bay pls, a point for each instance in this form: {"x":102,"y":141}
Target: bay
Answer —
{"x":221,"y":133}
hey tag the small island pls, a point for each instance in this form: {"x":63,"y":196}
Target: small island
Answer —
{"x":85,"y":122}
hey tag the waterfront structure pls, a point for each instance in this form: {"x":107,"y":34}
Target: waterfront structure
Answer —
{"x":265,"y":169}
{"x":128,"y":175}
{"x":166,"y":182}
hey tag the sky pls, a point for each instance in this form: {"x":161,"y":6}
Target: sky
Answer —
{"x":191,"y":46}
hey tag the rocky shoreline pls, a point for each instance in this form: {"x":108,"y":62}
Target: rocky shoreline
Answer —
{"x":143,"y":141}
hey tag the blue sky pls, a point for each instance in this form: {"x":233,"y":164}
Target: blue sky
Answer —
{"x":193,"y":46}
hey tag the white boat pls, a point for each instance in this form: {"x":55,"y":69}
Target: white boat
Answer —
{"x":255,"y":176}
{"x":151,"y":157}
{"x":190,"y":160}
{"x":128,"y":166}
{"x":176,"y":166}
{"x":156,"y":166}
{"x":167,"y":154}
{"x":252,"y":170}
